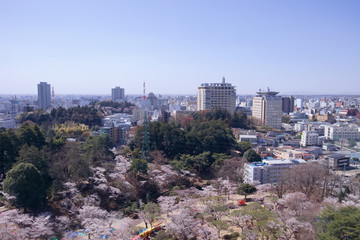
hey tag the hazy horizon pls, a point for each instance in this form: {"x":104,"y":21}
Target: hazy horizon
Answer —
{"x":88,"y":47}
{"x":192,"y":94}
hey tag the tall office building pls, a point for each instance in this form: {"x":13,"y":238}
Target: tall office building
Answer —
{"x":288,"y":104}
{"x":267,"y":108}
{"x":299,"y":103}
{"x":44,"y":97}
{"x":217,"y":95}
{"x":117,"y":94}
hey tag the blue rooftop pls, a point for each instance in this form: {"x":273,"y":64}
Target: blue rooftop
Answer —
{"x":257,"y":164}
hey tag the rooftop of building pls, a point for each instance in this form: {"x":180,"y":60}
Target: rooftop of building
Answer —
{"x":277,"y":162}
{"x":267,"y":93}
{"x":336,"y":155}
{"x":248,"y":136}
{"x":222,"y":84}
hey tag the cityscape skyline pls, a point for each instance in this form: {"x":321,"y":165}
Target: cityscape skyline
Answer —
{"x":87,"y":48}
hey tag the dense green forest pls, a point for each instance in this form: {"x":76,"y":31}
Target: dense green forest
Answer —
{"x":197,"y":142}
{"x":84,"y":115}
{"x":121,"y":105}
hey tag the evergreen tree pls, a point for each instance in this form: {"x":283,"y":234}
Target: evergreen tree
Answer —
{"x":31,"y":154}
{"x":25,"y":182}
{"x":9,"y":148}
{"x":32,"y":136}
{"x":246,"y":189}
{"x":97,"y":149}
{"x":342,"y":223}
{"x":244,"y":146}
{"x":252,"y":156}
{"x":138,"y":165}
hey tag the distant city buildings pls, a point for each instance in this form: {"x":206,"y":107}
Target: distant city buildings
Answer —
{"x":44,"y":97}
{"x":138,"y":114}
{"x":217,"y":95}
{"x":117,"y":126}
{"x":7,"y":123}
{"x":118,"y":94}
{"x":267,"y":108}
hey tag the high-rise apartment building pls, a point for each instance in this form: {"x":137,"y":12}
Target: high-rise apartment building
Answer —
{"x":118,"y":94}
{"x":44,"y":97}
{"x":267,"y":108}
{"x":217,"y":95}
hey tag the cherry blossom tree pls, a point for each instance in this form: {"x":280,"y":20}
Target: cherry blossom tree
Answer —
{"x":307,"y":178}
{"x":142,"y":216}
{"x":240,"y":220}
{"x":7,"y":224}
{"x":61,"y":224}
{"x":16,"y":225}
{"x":151,"y":211}
{"x":189,"y":193}
{"x":282,"y":185}
{"x":122,"y":229}
{"x":352,"y":200}
{"x":192,"y":204}
{"x":167,"y":204}
{"x":296,"y":216}
{"x":41,"y":227}
{"x":219,"y":225}
{"x":205,"y":232}
{"x":296,"y":202}
{"x":249,"y":234}
{"x":226,"y":187}
{"x":217,"y":211}
{"x":183,"y":224}
{"x":295,"y":229}
{"x":95,"y":220}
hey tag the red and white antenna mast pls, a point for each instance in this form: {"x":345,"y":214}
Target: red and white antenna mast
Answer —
{"x":144,"y":96}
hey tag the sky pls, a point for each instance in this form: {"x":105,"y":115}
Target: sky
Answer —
{"x":89,"y":47}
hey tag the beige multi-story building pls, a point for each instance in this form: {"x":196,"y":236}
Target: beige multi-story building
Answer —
{"x":338,"y":131}
{"x":309,"y":138}
{"x":217,"y":95}
{"x":267,"y":108}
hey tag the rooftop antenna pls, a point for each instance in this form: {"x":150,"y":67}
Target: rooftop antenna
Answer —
{"x":223,"y":80}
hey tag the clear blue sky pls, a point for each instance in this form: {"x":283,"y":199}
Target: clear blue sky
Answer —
{"x":88,"y":47}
